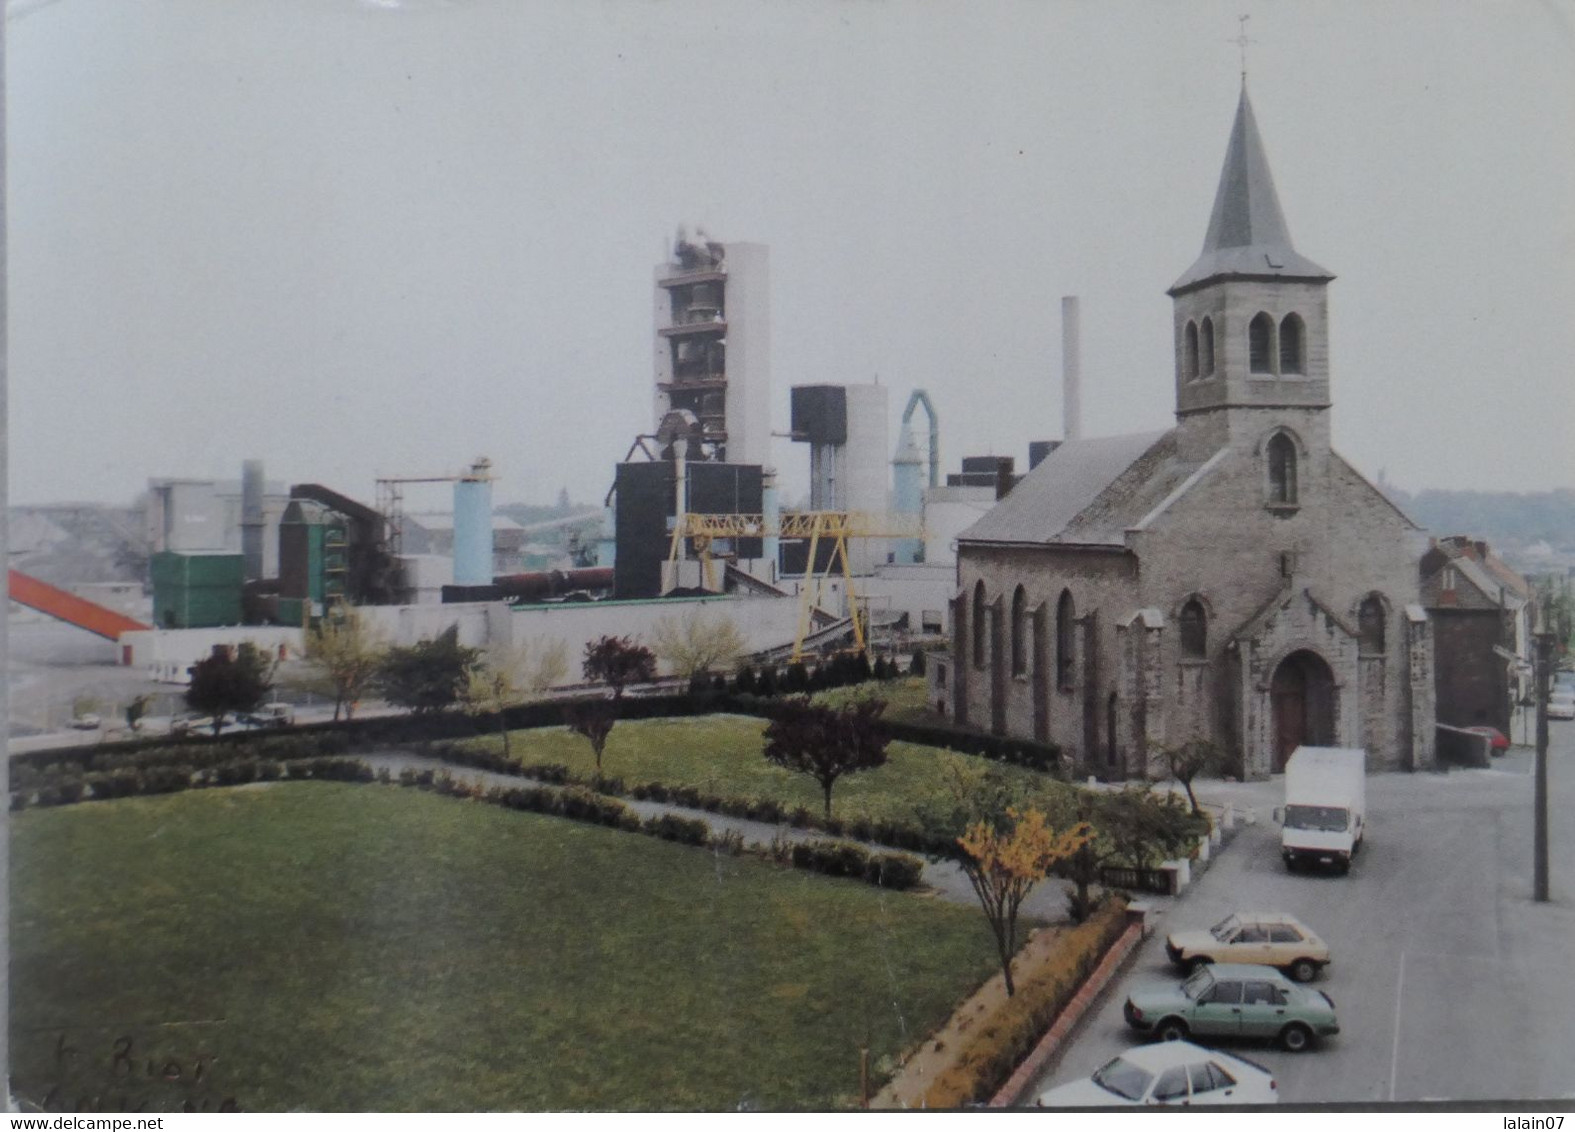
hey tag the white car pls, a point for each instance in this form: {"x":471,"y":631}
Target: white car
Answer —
{"x":1561,"y":705}
{"x":1168,"y":1073}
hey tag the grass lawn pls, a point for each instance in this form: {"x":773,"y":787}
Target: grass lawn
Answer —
{"x":329,"y":947}
{"x":721,"y":754}
{"x":907,"y":698}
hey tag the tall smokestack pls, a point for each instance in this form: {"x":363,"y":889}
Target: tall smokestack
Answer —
{"x":252,"y":521}
{"x":1071,"y":371}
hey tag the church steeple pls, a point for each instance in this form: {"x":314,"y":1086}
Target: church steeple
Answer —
{"x":1247,"y":236}
{"x":1251,"y":313}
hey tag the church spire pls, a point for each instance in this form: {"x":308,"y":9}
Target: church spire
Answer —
{"x":1247,"y":236}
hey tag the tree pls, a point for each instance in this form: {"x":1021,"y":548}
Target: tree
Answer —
{"x":1190,"y":759}
{"x":508,"y":675}
{"x":428,"y":676}
{"x":593,"y":719}
{"x":349,"y":653}
{"x":1003,"y":863}
{"x":230,"y":680}
{"x":698,"y":643}
{"x":1132,"y":827}
{"x":825,"y":743}
{"x":618,"y":662}
{"x":1003,"y":833}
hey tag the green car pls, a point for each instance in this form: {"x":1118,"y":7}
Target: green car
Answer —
{"x":1233,"y":1000}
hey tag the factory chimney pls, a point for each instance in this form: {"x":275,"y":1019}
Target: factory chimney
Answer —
{"x":1071,"y":371}
{"x":252,"y":521}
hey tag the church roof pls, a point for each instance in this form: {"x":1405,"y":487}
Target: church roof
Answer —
{"x":1247,"y":233}
{"x":1087,"y":492}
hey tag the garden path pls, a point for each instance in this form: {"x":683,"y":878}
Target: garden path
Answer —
{"x":1047,"y":903}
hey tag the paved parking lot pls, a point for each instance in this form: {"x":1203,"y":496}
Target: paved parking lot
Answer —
{"x":1450,"y":983}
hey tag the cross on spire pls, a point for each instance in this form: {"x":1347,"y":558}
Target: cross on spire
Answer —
{"x":1241,"y":41}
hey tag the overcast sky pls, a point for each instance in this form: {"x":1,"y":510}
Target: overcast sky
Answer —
{"x":361,"y":238}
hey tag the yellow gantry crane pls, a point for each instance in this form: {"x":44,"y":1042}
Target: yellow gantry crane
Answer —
{"x":836,"y":527}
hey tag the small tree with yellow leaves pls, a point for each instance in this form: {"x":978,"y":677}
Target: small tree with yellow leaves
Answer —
{"x":1005,"y":861}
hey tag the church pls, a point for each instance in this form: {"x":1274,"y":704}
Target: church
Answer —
{"x":1231,"y":578}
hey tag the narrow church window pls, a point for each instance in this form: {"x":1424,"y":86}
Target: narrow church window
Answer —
{"x":1206,"y":347}
{"x":1019,"y":632}
{"x":978,"y":625}
{"x":1065,"y":640}
{"x":1194,"y":630}
{"x":1370,"y":623}
{"x":1282,"y":469}
{"x":1189,"y":353}
{"x":1260,"y":344}
{"x":1291,"y":338}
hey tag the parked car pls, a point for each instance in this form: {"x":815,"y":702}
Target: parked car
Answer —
{"x":1498,"y":742}
{"x":87,"y":721}
{"x":1561,"y":705}
{"x":1233,"y":1000}
{"x":190,"y":724}
{"x":271,"y":715}
{"x":1274,"y":939}
{"x":1168,"y":1073}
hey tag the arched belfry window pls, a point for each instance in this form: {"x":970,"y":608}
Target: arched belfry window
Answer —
{"x":1293,"y":338}
{"x":1370,"y":622}
{"x":1189,"y":353}
{"x":1206,"y":347}
{"x":1281,"y":453}
{"x":1019,"y":632}
{"x":1065,"y":640}
{"x":1194,"y":623}
{"x":978,"y":625}
{"x":1260,"y":343}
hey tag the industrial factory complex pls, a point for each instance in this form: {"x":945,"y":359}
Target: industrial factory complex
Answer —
{"x":1232,"y":578}
{"x":692,"y":520}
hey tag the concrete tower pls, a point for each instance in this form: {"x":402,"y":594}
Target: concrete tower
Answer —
{"x":713,"y":345}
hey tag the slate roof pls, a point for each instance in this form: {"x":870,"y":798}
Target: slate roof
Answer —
{"x":1087,"y":492}
{"x":1247,"y":232}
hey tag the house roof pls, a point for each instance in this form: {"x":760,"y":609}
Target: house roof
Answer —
{"x":1488,"y":573}
{"x":1087,"y":492}
{"x":1247,"y":232}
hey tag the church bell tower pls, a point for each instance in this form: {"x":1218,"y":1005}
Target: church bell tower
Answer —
{"x":1251,"y":316}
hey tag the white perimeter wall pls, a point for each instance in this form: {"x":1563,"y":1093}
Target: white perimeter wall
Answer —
{"x":166,"y":654}
{"x":764,"y":622}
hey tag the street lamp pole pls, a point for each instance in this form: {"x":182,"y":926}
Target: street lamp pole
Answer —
{"x":1539,"y":882}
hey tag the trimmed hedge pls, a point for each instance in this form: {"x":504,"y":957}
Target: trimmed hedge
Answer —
{"x":996,"y":1045}
{"x":1045,"y":757}
{"x":847,"y":859}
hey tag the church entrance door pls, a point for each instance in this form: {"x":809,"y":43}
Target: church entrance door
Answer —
{"x":1302,"y":695}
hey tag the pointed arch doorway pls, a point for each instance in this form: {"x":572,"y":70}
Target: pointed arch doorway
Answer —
{"x":1302,"y":697}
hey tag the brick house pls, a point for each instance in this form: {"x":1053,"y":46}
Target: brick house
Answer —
{"x":1477,"y":603}
{"x":1232,"y":577}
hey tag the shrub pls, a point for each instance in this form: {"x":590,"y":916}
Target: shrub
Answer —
{"x":998,"y":1043}
{"x":766,"y":685}
{"x":916,"y":663}
{"x":744,"y":681}
{"x":894,"y":870}
{"x":796,"y":679}
{"x":728,"y":841}
{"x":165,"y":779}
{"x":834,"y":858}
{"x":671,"y":827}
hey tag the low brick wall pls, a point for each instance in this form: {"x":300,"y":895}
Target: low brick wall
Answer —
{"x":1012,"y":1093}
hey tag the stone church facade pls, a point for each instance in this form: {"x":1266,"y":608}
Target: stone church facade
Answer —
{"x":1231,"y":578}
